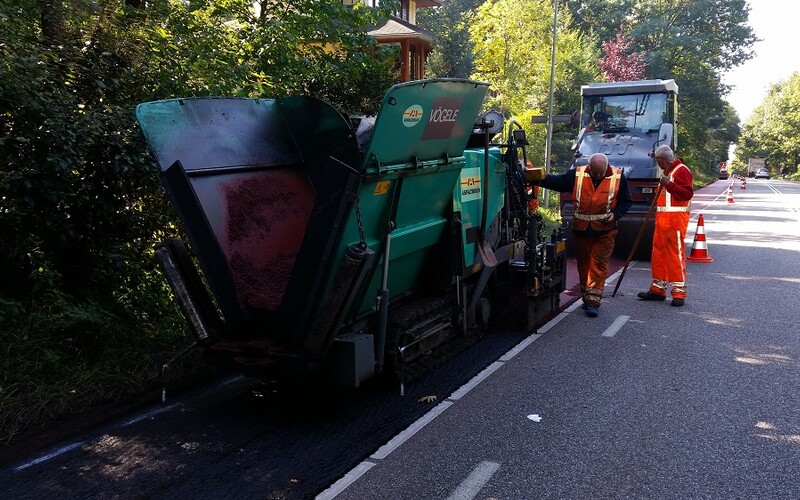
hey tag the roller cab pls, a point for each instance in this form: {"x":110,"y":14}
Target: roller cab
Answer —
{"x":627,"y":121}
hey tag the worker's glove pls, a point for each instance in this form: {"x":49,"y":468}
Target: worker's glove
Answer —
{"x":664,"y":180}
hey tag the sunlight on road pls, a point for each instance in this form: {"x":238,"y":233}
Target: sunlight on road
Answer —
{"x":764,"y":358}
{"x":794,"y":281}
{"x":783,"y":438}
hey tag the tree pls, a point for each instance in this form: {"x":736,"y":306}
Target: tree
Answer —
{"x":725,"y":133}
{"x":602,"y":19}
{"x":691,"y":41}
{"x":770,"y":131}
{"x":320,"y":49}
{"x":512,"y":44}
{"x":618,"y":63}
{"x":452,"y":54}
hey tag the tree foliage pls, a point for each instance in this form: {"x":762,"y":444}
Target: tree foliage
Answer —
{"x":600,"y":18}
{"x":74,"y":182}
{"x":724,"y":132}
{"x":691,"y":41}
{"x":452,"y":55}
{"x":771,"y":131}
{"x":618,"y":63}
{"x":318,"y":48}
{"x":512,"y":42}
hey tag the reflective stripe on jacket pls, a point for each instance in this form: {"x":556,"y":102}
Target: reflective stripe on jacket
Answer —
{"x":593,"y":205}
{"x":667,"y":202}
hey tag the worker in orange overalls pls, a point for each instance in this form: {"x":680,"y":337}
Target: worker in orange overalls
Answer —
{"x":668,"y":263}
{"x":601,"y":196}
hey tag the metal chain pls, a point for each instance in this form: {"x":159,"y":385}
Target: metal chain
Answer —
{"x":363,"y":243}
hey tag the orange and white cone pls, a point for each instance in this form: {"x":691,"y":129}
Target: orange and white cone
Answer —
{"x":744,"y":184}
{"x":730,"y":193}
{"x":699,"y":251}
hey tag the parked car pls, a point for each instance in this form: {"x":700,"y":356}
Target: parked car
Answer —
{"x":762,"y":173}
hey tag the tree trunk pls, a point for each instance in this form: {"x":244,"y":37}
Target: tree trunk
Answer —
{"x":52,"y":17}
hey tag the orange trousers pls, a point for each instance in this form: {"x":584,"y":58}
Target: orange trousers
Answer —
{"x":592,"y":254}
{"x":668,"y":261}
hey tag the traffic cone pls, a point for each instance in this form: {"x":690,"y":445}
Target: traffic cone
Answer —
{"x":744,"y":184}
{"x":730,"y":193}
{"x":699,"y":251}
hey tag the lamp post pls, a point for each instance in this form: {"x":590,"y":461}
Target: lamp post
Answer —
{"x":549,"y":138}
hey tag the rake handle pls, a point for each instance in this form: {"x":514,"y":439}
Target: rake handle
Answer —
{"x":638,"y":238}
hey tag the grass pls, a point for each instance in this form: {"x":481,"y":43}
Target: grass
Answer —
{"x":62,"y":357}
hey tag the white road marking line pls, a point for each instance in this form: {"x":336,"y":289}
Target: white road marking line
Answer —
{"x":615,"y":326}
{"x":477,"y":379}
{"x":48,"y":456}
{"x":617,"y":274}
{"x":401,"y":438}
{"x":148,"y":414}
{"x":137,"y":418}
{"x":553,"y":322}
{"x":470,"y":487}
{"x":161,"y":409}
{"x":64,"y":449}
{"x":348,"y":479}
{"x":519,"y":347}
{"x":354,"y":474}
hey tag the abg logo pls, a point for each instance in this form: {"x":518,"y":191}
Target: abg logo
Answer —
{"x":412,"y":115}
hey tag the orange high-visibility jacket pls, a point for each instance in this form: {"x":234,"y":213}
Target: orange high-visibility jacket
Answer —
{"x":677,"y":195}
{"x":593,"y":205}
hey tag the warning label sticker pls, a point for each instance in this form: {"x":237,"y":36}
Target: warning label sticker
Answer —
{"x":381,"y":187}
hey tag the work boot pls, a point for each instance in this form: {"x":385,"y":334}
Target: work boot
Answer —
{"x":591,"y":311}
{"x":677,"y":302}
{"x":648,"y":295}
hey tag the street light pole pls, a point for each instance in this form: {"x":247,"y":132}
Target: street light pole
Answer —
{"x":549,"y":139}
